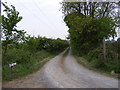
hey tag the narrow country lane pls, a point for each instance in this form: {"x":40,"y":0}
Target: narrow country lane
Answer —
{"x":63,"y":73}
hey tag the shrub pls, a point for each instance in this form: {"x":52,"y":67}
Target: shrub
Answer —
{"x":16,"y":55}
{"x":111,"y":66}
{"x":97,"y":63}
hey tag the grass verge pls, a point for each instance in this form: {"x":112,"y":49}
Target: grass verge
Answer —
{"x":22,"y":69}
{"x":89,"y":65}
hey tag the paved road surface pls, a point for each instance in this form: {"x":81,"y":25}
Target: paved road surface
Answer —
{"x":63,"y":73}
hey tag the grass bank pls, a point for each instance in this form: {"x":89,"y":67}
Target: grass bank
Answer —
{"x":90,"y":65}
{"x":36,"y":61}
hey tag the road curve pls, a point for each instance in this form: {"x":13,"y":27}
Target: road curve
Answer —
{"x":63,"y":73}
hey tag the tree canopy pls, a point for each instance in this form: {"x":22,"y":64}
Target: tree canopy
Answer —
{"x":9,"y":26}
{"x":89,"y":23}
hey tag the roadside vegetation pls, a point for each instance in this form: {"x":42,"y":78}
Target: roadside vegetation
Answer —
{"x":96,"y":62}
{"x":29,"y":53}
{"x":90,"y":24}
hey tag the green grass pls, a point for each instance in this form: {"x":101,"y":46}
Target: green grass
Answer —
{"x":92,"y":66}
{"x":36,"y":61}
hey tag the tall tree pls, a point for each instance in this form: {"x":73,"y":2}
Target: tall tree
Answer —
{"x":9,"y":24}
{"x":93,"y":9}
{"x":89,"y":23}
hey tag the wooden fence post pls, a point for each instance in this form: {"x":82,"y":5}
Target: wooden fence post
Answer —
{"x":104,"y":48}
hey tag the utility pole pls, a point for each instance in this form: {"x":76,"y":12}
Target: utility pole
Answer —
{"x":104,"y":48}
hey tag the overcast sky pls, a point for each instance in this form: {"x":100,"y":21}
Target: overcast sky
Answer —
{"x":41,"y":17}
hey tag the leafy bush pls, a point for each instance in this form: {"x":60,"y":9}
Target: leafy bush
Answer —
{"x":97,"y":63}
{"x":22,"y":69}
{"x":23,"y":51}
{"x":16,"y":55}
{"x":111,"y":66}
{"x":95,"y":57}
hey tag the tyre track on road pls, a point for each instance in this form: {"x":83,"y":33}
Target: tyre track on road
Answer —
{"x":63,"y":72}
